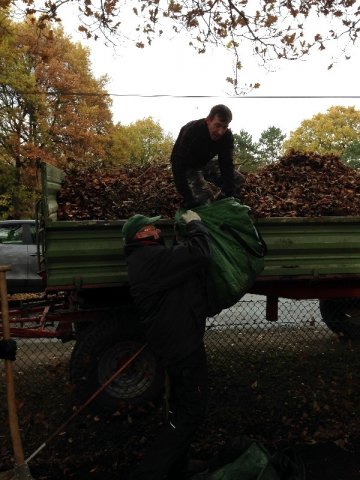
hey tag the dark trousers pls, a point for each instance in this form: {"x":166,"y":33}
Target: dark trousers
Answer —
{"x":188,"y":384}
{"x":194,"y":187}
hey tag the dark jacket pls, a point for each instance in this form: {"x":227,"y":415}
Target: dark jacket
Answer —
{"x":194,"y":149}
{"x":168,"y":288}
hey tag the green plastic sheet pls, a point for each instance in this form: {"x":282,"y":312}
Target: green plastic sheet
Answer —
{"x":237,"y":251}
{"x":256,"y":463}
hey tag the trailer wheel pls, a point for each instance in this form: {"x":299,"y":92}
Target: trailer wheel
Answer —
{"x":102,"y":350}
{"x":342,"y":315}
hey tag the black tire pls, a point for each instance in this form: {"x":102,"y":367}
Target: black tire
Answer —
{"x":101,"y":350}
{"x":342,"y":316}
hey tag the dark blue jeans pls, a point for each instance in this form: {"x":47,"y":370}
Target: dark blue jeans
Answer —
{"x":167,"y":457}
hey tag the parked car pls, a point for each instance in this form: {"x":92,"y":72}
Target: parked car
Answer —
{"x":18,"y":249}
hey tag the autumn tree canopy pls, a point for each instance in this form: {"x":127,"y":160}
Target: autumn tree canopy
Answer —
{"x":267,"y":29}
{"x":326,"y":133}
{"x":140,"y":143}
{"x":44,"y":113}
{"x":52,"y":107}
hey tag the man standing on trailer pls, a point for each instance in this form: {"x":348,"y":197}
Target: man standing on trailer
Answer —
{"x":203,"y":152}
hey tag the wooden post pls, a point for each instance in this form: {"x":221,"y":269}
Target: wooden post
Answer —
{"x":21,"y":470}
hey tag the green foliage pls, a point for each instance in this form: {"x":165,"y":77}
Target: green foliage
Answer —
{"x":244,"y":151}
{"x":16,"y":200}
{"x":250,"y":155}
{"x":7,"y":182}
{"x":351,"y":154}
{"x":269,"y":145}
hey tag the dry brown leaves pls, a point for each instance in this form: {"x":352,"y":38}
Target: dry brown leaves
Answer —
{"x":117,"y":194}
{"x":304,"y":186}
{"x":298,"y":185}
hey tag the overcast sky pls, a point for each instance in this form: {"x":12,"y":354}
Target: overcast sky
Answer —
{"x":164,"y":80}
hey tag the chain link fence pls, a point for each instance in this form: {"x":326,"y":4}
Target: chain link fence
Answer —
{"x":291,"y":380}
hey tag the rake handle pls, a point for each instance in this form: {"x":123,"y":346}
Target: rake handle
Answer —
{"x":9,"y":373}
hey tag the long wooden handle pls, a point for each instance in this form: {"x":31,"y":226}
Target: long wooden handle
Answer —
{"x":9,"y":373}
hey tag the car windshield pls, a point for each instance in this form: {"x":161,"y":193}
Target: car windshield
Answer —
{"x":11,"y":234}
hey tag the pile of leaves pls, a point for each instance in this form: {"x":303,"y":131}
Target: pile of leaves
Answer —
{"x":298,"y":185}
{"x":304,"y":185}
{"x":113,"y":194}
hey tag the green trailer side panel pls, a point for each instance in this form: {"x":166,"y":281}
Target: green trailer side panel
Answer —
{"x":86,"y":253}
{"x":51,"y":178}
{"x":318,"y":246}
{"x":79,"y":255}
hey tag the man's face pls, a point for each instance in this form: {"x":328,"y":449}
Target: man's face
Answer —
{"x":148,"y":231}
{"x":216,"y":127}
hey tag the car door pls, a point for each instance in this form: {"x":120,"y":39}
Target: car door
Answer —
{"x":33,"y":265}
{"x":18,"y":249}
{"x":14,"y":253}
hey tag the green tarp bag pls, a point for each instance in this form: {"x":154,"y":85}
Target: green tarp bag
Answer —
{"x":237,"y":251}
{"x":256,"y":463}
